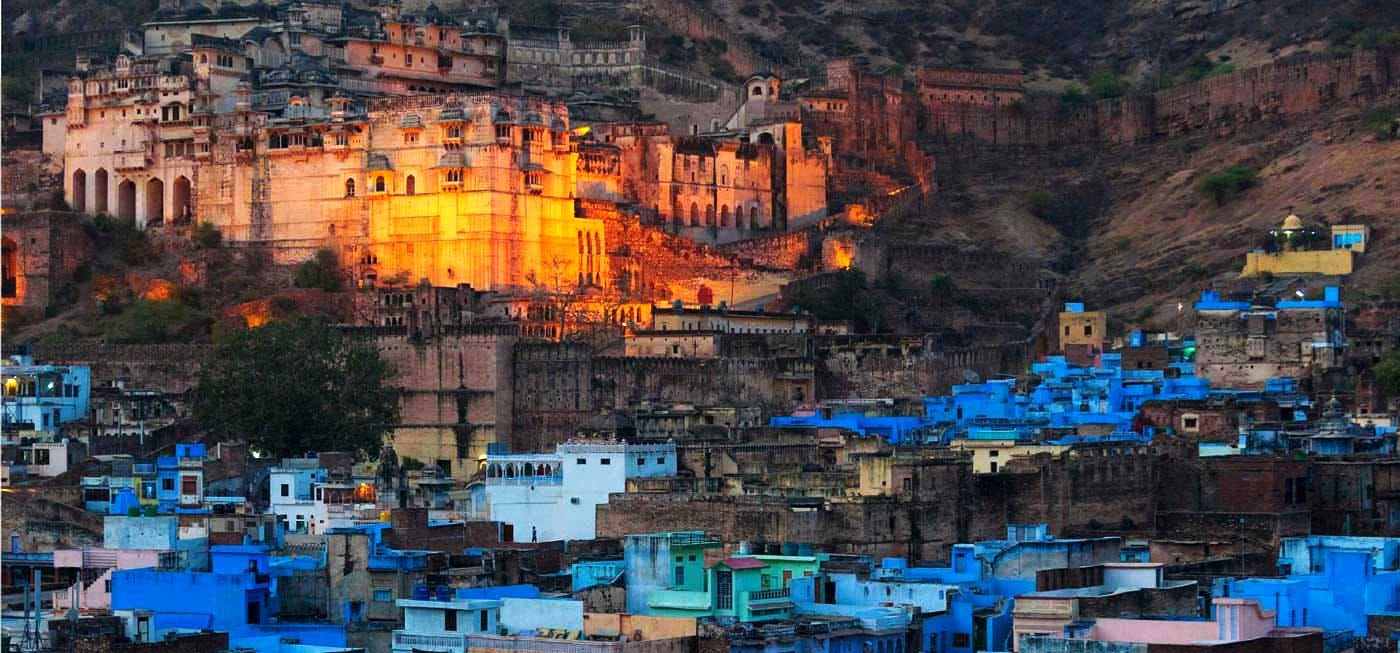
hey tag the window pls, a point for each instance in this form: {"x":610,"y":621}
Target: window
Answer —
{"x":410,"y":138}
{"x":993,"y":453}
{"x":574,"y":500}
{"x":384,"y":596}
{"x":605,"y":461}
{"x":349,"y":187}
{"x":661,"y":460}
{"x":1088,"y":329}
{"x":167,"y":484}
{"x":641,"y":461}
{"x":581,"y":461}
{"x":503,"y":131}
{"x":680,"y":576}
{"x":342,"y":139}
{"x":1189,"y":423}
{"x":449,"y":620}
{"x":410,"y":185}
{"x":189,"y":484}
{"x":379,"y":184}
{"x":961,"y":640}
{"x":286,"y":490}
{"x":485,"y":621}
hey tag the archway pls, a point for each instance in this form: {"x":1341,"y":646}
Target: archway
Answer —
{"x":724,"y":216}
{"x":10,"y":278}
{"x":765,"y":138}
{"x":709,"y":215}
{"x":155,"y":201}
{"x":753,"y":217}
{"x":99,"y":191}
{"x":180,"y":200}
{"x":410,"y":185}
{"x":79,"y":191}
{"x":694,"y":214}
{"x":126,"y":200}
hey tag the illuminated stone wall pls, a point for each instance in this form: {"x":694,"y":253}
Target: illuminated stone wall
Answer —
{"x":454,"y":189}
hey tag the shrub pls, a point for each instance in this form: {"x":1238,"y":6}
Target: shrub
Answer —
{"x":1104,"y":84}
{"x":207,"y":235}
{"x":1226,"y":184}
{"x":1382,"y":121}
{"x":322,"y":272}
{"x":147,"y":323}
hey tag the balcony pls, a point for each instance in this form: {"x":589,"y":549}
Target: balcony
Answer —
{"x":770,"y":598}
{"x":131,"y":160}
{"x":679,"y":600}
{"x":406,"y":641}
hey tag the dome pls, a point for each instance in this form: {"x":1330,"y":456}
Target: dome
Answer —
{"x":1292,"y":222}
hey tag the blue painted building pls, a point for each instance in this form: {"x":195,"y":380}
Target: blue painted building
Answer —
{"x":595,"y":572}
{"x":1343,"y":596}
{"x":44,"y":396}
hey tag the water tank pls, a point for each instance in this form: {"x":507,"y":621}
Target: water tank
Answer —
{"x":789,"y":548}
{"x":745,"y":548}
{"x":444,"y":593}
{"x":420,"y":593}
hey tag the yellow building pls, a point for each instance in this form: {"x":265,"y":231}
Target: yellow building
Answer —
{"x":1081,"y":327}
{"x":1294,"y":258}
{"x":991,"y":456}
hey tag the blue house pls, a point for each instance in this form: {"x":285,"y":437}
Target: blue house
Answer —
{"x":44,"y":396}
{"x":1344,"y":596}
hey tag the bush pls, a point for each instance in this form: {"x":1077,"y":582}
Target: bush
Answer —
{"x":1103,"y":84}
{"x":1226,"y":184}
{"x":321,"y":272}
{"x":1202,"y":67}
{"x":1383,"y":122}
{"x":148,"y":323}
{"x":207,"y":235}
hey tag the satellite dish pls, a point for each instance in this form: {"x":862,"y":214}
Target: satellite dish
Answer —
{"x":971,"y":376}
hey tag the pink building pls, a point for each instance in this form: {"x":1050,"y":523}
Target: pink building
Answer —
{"x":1237,"y":622}
{"x":95,"y":567}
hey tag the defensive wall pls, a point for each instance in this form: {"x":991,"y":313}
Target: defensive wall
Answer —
{"x":1305,"y":84}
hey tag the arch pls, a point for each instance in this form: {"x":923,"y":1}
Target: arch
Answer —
{"x":410,"y":185}
{"x":753,"y":217}
{"x":694,"y":214}
{"x":203,"y":58}
{"x":9,"y":278}
{"x":766,"y":138}
{"x":709,"y":215}
{"x":510,"y":470}
{"x":99,"y":191}
{"x":155,"y":201}
{"x":349,"y":187}
{"x":379,"y":184}
{"x":724,"y":216}
{"x":180,"y":199}
{"x":527,"y":470}
{"x":757,"y":90}
{"x":126,"y":200}
{"x":79,"y":191}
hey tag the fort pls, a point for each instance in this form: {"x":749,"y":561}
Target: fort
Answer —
{"x":992,"y":106}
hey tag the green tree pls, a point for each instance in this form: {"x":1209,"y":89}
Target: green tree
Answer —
{"x":207,"y":235}
{"x":1388,"y":374}
{"x":1226,"y":184}
{"x":322,"y":272}
{"x":1103,"y":84}
{"x":298,"y":386}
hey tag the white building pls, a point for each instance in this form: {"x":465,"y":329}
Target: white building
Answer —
{"x":290,"y":493}
{"x":543,"y":498}
{"x":442,"y":626}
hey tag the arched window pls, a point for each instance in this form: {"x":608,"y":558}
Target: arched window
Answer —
{"x":709,"y":215}
{"x":757,"y":91}
{"x":724,"y":175}
{"x":379,"y":184}
{"x":349,"y":187}
{"x":694,"y":214}
{"x":410,"y":185}
{"x":724,"y":216}
{"x":753,"y":217}
{"x":203,"y":58}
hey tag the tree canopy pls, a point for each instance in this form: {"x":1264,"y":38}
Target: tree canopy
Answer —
{"x":298,"y":386}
